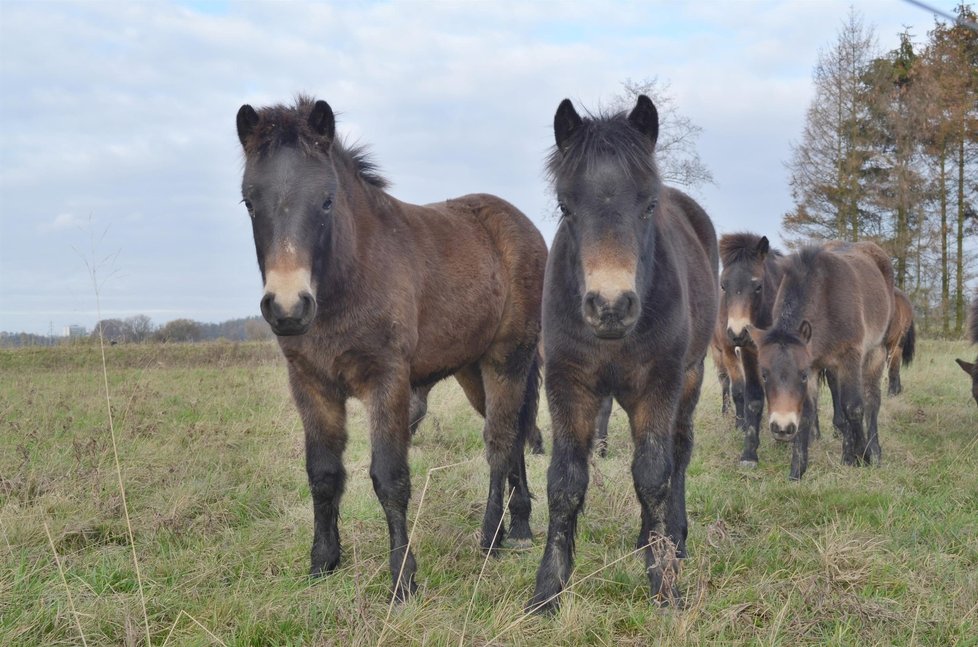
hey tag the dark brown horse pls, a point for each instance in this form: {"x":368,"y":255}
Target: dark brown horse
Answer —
{"x":629,"y":305}
{"x":370,"y":296}
{"x":971,"y":368}
{"x":831,"y":314}
{"x":748,"y":284}
{"x":901,"y":340}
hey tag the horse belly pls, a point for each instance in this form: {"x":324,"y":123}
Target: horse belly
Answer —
{"x":461,"y":310}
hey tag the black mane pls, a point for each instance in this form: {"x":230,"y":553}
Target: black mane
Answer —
{"x":742,"y":246}
{"x":795,"y":286}
{"x":282,"y":126}
{"x":600,"y":136}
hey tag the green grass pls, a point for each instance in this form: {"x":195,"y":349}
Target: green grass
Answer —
{"x":211,"y":455}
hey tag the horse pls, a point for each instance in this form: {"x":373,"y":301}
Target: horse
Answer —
{"x":419,"y":409}
{"x":370,"y":296}
{"x":971,"y":368}
{"x":748,"y":284}
{"x":629,"y":301}
{"x":901,"y":340}
{"x":831,"y":314}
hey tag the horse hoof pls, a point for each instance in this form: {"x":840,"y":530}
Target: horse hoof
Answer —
{"x":748,"y":464}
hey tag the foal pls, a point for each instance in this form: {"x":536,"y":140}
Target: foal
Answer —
{"x":629,"y":303}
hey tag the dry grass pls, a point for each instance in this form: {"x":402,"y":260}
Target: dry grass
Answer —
{"x":210,"y":455}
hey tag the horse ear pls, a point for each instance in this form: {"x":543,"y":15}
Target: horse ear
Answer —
{"x":247,"y":120}
{"x":566,"y":121}
{"x":645,"y":118}
{"x":322,"y":121}
{"x":763,"y":246}
{"x":967,"y":367}
{"x":805,"y":330}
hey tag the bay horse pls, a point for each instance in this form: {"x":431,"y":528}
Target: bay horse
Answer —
{"x":749,"y":282}
{"x":971,"y":368}
{"x":831,"y":314}
{"x":629,"y":301}
{"x":901,"y":340}
{"x":370,"y":296}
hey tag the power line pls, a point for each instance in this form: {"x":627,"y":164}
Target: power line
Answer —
{"x":958,"y":20}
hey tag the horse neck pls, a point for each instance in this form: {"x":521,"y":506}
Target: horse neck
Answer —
{"x":770,"y":282}
{"x":797,"y":297}
{"x":353,"y":221}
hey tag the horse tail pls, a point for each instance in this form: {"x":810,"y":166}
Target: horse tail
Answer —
{"x":909,"y":343}
{"x":531,"y":402}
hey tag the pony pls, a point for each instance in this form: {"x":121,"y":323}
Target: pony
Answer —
{"x":748,"y":284}
{"x":971,"y":368}
{"x":901,"y":340}
{"x":629,"y":301}
{"x":370,"y":296}
{"x":831,"y":314}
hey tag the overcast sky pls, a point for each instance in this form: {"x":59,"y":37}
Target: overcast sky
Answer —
{"x":118,"y":148}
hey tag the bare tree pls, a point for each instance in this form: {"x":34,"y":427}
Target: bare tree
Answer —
{"x":675,"y":150}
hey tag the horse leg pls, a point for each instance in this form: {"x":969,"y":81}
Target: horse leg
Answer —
{"x":873,"y":368}
{"x":323,"y":413}
{"x":388,"y":402}
{"x":508,"y":385}
{"x":894,"y":387}
{"x":572,"y":410}
{"x":652,"y":414}
{"x":838,"y":414}
{"x":799,"y":447}
{"x":851,"y":405}
{"x":724,"y":380}
{"x":677,"y":522}
{"x":419,"y":406}
{"x":601,"y":426}
{"x":753,"y":397}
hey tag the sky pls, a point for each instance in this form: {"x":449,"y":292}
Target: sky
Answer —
{"x":120,"y":167}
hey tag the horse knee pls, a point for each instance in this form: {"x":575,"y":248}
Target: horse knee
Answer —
{"x":651,"y":472}
{"x":392,"y":483}
{"x":854,"y":411}
{"x":566,"y":486}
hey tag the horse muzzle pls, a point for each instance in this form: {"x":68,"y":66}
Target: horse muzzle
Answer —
{"x":289,"y":319}
{"x":611,"y":319}
{"x":784,"y":434}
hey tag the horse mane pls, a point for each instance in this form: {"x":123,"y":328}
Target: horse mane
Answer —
{"x":741,"y":246}
{"x":598,"y":137}
{"x":799,"y":268}
{"x":782,"y":337}
{"x":280,"y":126}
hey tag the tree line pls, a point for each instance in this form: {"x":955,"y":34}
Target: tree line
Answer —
{"x":889,"y":153}
{"x":141,"y":329}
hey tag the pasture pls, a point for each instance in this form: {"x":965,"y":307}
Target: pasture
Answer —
{"x":212,"y":464}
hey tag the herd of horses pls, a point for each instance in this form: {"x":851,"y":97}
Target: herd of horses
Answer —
{"x":378,"y":299}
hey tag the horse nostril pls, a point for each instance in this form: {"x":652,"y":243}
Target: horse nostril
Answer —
{"x":266,"y":306}
{"x":592,"y":307}
{"x":628,"y":306}
{"x":307,"y":308}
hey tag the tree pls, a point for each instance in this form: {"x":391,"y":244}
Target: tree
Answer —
{"x":139,"y":328}
{"x":828,"y":168}
{"x":179,"y":330}
{"x":111,"y":331}
{"x":675,"y":150}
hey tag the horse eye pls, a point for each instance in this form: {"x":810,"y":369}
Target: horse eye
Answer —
{"x":650,"y":210}
{"x":804,"y":376}
{"x":757,"y":288}
{"x":764,"y":376}
{"x":564,"y":211}
{"x":249,"y":207}
{"x":723,"y":287}
{"x":327,"y":204}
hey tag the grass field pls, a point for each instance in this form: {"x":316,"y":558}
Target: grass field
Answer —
{"x":211,"y":457}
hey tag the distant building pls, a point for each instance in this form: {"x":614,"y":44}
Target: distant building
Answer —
{"x":74,"y":330}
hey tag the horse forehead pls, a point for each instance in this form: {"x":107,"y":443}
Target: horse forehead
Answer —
{"x":287,"y":167}
{"x":607,"y":179}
